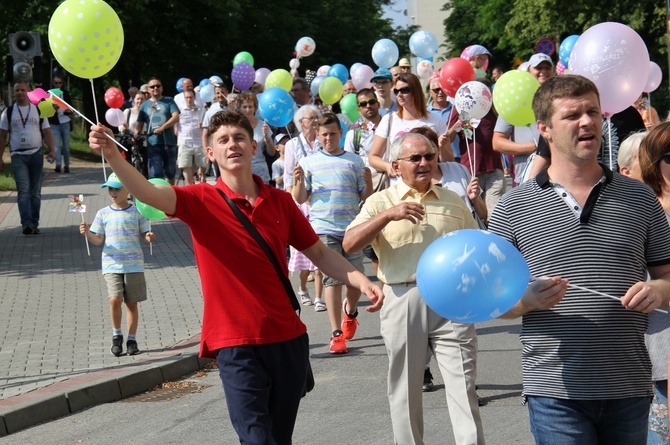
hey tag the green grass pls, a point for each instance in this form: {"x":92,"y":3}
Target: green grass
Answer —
{"x":79,"y":149}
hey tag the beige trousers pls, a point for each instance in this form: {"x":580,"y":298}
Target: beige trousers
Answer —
{"x":407,"y":326}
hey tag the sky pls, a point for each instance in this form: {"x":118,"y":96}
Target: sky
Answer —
{"x":396,"y":12}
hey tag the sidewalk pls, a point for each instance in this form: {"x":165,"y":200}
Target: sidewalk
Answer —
{"x":55,"y":332}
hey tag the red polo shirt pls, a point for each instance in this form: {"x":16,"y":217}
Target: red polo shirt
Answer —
{"x":244,"y":299}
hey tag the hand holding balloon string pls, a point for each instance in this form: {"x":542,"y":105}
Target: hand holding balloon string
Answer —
{"x":595,"y":292}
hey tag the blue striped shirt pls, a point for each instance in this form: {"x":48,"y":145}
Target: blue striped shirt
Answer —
{"x":335,"y":182}
{"x":121,"y":252}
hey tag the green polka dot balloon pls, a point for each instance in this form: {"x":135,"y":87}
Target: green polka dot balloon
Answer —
{"x":513,"y":97}
{"x":86,"y":37}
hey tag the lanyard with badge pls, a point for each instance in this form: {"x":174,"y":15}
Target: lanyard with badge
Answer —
{"x":23,"y":133}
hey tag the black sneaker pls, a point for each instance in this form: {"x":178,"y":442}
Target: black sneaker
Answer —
{"x":66,"y":170}
{"x":36,"y":231}
{"x":428,"y":381}
{"x":57,"y":170}
{"x":131,"y":347}
{"x":27,"y":230}
{"x":117,"y":345}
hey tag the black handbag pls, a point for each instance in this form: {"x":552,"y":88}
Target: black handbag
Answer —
{"x":309,"y":380}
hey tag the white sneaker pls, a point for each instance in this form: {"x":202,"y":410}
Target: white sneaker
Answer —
{"x":319,"y":306}
{"x":304,"y":298}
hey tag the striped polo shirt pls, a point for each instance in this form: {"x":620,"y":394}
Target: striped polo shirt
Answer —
{"x":587,"y":347}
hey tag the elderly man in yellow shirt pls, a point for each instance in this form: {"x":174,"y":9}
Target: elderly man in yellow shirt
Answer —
{"x":399,"y":223}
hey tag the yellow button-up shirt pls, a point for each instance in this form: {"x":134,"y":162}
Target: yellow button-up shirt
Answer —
{"x":400,"y":244}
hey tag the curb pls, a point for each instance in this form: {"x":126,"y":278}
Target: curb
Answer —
{"x":94,"y":388}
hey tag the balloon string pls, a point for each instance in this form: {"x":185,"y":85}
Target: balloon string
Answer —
{"x":609,"y":140}
{"x":289,"y":133}
{"x":97,"y":119}
{"x":474,"y":151}
{"x":86,"y":119}
{"x":602,"y":294}
{"x":88,"y":249}
{"x":151,"y":245}
{"x":467,"y":147}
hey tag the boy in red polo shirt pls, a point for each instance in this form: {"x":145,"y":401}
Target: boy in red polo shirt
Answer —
{"x":249,"y":325}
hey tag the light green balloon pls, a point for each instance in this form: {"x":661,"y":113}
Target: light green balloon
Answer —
{"x":330,"y":90}
{"x":86,"y":37}
{"x":279,"y":78}
{"x":513,"y":97}
{"x":243,"y":56}
{"x":349,"y":106}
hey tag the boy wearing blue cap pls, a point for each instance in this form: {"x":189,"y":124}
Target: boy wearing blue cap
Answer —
{"x":116,"y":228}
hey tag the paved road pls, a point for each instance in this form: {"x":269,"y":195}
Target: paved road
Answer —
{"x":55,"y":335}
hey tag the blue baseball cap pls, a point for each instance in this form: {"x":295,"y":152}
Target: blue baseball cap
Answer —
{"x":382,"y":73}
{"x":113,"y":182}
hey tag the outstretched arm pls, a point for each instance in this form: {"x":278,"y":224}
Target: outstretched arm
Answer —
{"x":161,"y":197}
{"x":334,"y":265}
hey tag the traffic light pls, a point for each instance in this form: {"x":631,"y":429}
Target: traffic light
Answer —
{"x":25,"y":59}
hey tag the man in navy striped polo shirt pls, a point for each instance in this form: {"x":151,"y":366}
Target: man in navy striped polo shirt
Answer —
{"x":587,"y":374}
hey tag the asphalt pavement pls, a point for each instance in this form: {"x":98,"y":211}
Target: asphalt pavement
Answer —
{"x":55,"y":336}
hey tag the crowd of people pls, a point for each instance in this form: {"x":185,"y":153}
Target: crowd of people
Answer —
{"x":407,"y":172}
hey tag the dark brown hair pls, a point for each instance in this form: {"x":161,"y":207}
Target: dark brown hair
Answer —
{"x":654,"y":145}
{"x":228,"y":118}
{"x":416,"y":92}
{"x":558,"y":87}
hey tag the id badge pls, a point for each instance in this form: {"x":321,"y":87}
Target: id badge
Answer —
{"x":24,"y":139}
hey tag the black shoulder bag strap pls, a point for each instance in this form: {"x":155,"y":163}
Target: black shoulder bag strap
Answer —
{"x":264,"y":245}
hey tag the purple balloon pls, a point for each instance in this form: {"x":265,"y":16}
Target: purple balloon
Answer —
{"x":616,"y":59}
{"x":243,"y":75}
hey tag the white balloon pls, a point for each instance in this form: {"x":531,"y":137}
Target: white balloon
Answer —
{"x":654,"y":79}
{"x":305,"y":46}
{"x":323,"y":70}
{"x":424,"y":68}
{"x":294,"y":64}
{"x":115,"y":117}
{"x":474,"y":98}
{"x":361,"y":76}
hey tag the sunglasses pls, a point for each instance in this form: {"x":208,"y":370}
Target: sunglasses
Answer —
{"x":155,"y":86}
{"x":415,"y":159}
{"x":365,"y":103}
{"x":437,"y":90}
{"x":403,"y":90}
{"x":666,"y":158}
{"x":58,"y":83}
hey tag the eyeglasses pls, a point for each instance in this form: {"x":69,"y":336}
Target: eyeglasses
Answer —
{"x":365,"y":103}
{"x":437,"y":90}
{"x":415,"y":159}
{"x":403,"y":90}
{"x":666,"y":158}
{"x":311,"y":119}
{"x":155,"y":86}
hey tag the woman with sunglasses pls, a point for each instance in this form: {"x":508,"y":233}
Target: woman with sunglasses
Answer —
{"x":412,"y":113}
{"x":654,"y":169}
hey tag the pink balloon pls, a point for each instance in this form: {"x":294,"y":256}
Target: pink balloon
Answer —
{"x":616,"y":59}
{"x":361,"y":76}
{"x":654,"y":79}
{"x":115,"y":117}
{"x":560,"y":68}
{"x":261,"y":75}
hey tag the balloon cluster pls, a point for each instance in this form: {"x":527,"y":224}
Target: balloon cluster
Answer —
{"x":114,"y":100}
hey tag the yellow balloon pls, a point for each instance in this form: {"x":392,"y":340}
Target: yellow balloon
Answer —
{"x":513,"y":97}
{"x":279,"y":78}
{"x":330,"y":90}
{"x":86,"y":37}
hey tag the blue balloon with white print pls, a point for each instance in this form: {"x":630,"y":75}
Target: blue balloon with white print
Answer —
{"x":276,"y":106}
{"x":471,"y":276}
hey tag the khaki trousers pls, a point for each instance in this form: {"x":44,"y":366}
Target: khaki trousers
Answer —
{"x":407,"y":326}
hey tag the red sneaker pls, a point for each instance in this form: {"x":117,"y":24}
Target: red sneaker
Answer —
{"x":349,"y":324}
{"x":338,"y":345}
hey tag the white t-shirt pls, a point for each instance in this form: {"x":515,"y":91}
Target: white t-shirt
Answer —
{"x":25,"y":137}
{"x":401,"y":126}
